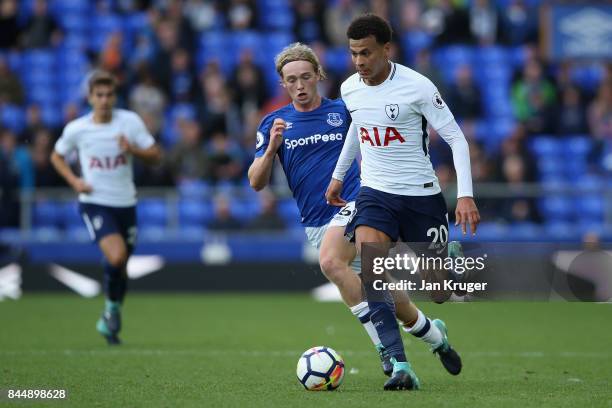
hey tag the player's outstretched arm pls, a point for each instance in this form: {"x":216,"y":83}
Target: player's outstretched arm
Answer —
{"x":261,"y":169}
{"x":78,"y":184}
{"x":150,"y":155}
{"x":466,"y":212}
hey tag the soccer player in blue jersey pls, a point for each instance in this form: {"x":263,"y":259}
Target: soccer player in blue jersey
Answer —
{"x":307,"y":135}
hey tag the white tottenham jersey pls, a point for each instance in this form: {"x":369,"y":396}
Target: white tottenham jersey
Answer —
{"x":391,"y":122}
{"x":106,"y":168}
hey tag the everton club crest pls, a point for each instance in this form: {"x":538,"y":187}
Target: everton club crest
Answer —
{"x":334,"y":119}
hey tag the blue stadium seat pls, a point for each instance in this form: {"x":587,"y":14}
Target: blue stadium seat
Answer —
{"x":492,"y":56}
{"x":337,"y":60}
{"x":73,"y":22}
{"x":588,"y":76}
{"x":245,"y":210}
{"x":195,"y":212}
{"x":577,"y":146}
{"x":589,"y":183}
{"x":47,"y":214}
{"x":43,"y":59}
{"x":560,"y":230}
{"x":551,"y":165}
{"x":277,"y":19}
{"x":194,"y":189}
{"x":52,"y":114}
{"x":525,"y":231}
{"x":413,"y":42}
{"x":152,"y":233}
{"x":48,"y":234}
{"x":590,"y":207}
{"x":545,"y":146}
{"x":42,"y":94}
{"x":152,"y":212}
{"x":557,"y":208}
{"x":13,"y":117}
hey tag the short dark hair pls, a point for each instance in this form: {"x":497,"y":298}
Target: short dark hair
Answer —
{"x":370,"y":24}
{"x":101,"y":78}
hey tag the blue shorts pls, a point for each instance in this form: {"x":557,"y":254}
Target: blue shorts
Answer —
{"x":102,"y":220}
{"x":405,"y":218}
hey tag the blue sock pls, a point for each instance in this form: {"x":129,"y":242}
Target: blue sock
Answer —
{"x":383,"y":318}
{"x":115,"y":283}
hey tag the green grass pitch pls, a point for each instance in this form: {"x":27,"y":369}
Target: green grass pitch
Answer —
{"x":195,"y":350}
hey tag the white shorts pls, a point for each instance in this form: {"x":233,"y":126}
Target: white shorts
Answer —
{"x":341,"y":219}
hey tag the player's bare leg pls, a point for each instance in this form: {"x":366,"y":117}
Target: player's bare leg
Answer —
{"x":115,"y":252}
{"x":383,"y":315}
{"x":335,"y":257}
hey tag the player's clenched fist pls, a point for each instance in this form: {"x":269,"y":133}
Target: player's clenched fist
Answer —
{"x":276,"y":134}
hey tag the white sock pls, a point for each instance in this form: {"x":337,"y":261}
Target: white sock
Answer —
{"x":425,"y":330}
{"x":362,"y":312}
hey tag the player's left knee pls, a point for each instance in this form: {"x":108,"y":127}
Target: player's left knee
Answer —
{"x":334,"y":268}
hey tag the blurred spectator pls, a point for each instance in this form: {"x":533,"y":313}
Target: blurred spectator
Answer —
{"x":224,"y":220}
{"x":71,"y":111}
{"x":533,"y":98}
{"x":449,"y":24}
{"x":167,"y":41}
{"x":40,"y":149}
{"x":519,"y":23}
{"x":183,"y":85}
{"x":464,"y":96}
{"x":225,"y":158}
{"x":600,"y":112}
{"x":41,"y":30}
{"x":11,"y":90}
{"x":338,"y":16}
{"x":248,"y":84}
{"x":571,"y":115}
{"x":516,"y":145}
{"x":18,"y":159}
{"x":187,"y":159}
{"x":241,"y":14}
{"x":484,"y":22}
{"x":202,"y":14}
{"x":309,"y":25}
{"x":111,"y":56}
{"x":217,"y":110}
{"x":34,"y":122}
{"x":424,"y":66}
{"x":9,"y":194}
{"x":269,"y":218}
{"x":517,"y":208}
{"x":147,"y":99}
{"x":9,"y":27}
{"x":174,"y":12}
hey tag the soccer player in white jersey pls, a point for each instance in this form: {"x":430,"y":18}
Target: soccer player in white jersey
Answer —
{"x":106,"y":140}
{"x":400,"y":198}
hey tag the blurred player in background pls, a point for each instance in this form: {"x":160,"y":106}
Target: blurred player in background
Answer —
{"x":307,"y":135}
{"x":400,"y":198}
{"x":106,"y":140}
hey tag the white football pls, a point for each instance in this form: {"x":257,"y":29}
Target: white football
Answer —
{"x":320,"y":368}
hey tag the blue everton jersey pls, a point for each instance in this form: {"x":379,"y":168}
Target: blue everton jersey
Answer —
{"x":312,"y":142}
